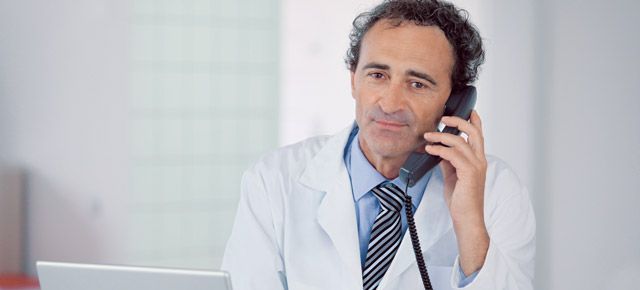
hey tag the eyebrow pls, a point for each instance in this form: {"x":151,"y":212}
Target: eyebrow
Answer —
{"x":376,"y":65}
{"x":423,"y":76}
{"x":410,"y":72}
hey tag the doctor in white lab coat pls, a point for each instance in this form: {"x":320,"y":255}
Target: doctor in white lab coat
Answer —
{"x":296,"y":225}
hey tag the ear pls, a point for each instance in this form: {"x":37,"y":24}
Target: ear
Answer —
{"x":353,"y":89}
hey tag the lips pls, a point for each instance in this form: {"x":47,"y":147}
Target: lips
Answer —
{"x":389,"y":124}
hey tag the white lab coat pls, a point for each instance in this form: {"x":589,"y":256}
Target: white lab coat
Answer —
{"x":296,"y":227}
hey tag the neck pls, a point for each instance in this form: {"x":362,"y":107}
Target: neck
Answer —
{"x":388,"y":166}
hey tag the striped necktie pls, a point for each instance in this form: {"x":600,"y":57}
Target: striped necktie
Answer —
{"x":385,"y":234}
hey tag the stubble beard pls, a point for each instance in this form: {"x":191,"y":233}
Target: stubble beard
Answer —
{"x":390,"y":146}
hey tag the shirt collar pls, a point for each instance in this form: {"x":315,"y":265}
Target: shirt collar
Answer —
{"x":365,"y":177}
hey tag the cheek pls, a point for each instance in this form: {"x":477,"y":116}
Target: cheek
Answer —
{"x":364,"y":100}
{"x":428,"y":117}
{"x":361,"y":113}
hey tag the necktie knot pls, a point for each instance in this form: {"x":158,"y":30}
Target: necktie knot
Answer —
{"x":389,"y":195}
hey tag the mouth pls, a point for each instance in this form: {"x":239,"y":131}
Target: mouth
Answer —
{"x":389,"y":124}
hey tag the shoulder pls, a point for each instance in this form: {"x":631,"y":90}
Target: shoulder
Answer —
{"x":497,"y":166}
{"x":290,"y":158}
{"x":505,"y":193}
{"x":289,"y":162}
{"x":502,"y":182}
{"x":270,"y":181}
{"x":285,"y":163}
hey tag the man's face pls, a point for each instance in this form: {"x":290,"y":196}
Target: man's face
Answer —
{"x":401,"y":83}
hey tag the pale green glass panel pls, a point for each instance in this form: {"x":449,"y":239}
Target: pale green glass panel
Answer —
{"x":203,"y":107}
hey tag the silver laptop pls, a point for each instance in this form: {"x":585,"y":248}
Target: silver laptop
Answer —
{"x":67,"y":276}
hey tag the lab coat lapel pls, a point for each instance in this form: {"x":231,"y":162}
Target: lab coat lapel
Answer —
{"x":336,"y":213}
{"x":432,"y":221}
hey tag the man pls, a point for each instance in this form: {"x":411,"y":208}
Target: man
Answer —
{"x":323,"y":213}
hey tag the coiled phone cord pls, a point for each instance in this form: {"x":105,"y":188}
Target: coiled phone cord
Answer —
{"x":408,"y":206}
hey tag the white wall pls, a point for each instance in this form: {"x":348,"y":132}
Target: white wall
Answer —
{"x":591,"y":168}
{"x":63,"y":117}
{"x":314,"y":85}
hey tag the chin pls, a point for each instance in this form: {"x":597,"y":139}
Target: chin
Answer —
{"x":387,"y":151}
{"x":389,"y":145}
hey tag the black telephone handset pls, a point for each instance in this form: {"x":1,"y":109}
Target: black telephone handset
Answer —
{"x":418,"y":164}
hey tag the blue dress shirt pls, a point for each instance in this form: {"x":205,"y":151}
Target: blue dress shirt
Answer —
{"x":364,"y":177}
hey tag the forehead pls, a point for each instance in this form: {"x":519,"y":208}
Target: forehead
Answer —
{"x":408,"y":46}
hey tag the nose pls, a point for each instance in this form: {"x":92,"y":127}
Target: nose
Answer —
{"x":392,"y":99}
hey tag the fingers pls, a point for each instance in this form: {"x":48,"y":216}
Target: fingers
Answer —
{"x":473,"y":129}
{"x":455,"y":142}
{"x":459,"y":161}
{"x":475,"y":120}
{"x":455,"y":149}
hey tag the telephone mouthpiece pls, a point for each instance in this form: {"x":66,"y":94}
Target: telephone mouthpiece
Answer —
{"x":418,"y":164}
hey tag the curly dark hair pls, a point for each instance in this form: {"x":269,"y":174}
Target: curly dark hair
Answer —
{"x":462,"y":34}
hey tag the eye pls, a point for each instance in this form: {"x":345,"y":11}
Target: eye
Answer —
{"x":418,"y":85}
{"x":376,"y":75}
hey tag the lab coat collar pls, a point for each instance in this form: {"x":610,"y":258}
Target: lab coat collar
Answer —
{"x":336,"y":215}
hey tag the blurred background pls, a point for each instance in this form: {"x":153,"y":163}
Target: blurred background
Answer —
{"x":125,"y":125}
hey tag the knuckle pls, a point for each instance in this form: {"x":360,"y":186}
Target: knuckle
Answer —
{"x":474,"y":130}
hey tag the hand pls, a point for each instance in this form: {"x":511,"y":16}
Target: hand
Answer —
{"x":463,"y":165}
{"x":464,"y":169}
